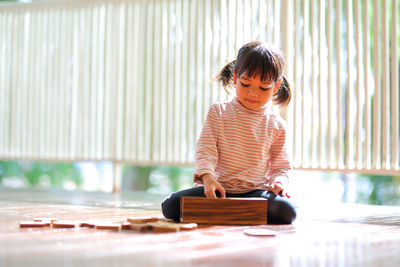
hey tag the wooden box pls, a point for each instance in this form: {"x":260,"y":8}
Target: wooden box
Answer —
{"x":224,"y":211}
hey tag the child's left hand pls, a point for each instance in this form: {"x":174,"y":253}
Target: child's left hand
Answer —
{"x":277,"y":188}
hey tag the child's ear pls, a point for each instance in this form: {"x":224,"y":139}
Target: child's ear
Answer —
{"x":234,"y":78}
{"x":277,"y":85}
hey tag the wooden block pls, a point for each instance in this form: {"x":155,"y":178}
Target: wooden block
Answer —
{"x":142,"y":219}
{"x":259,"y":232}
{"x":165,"y":220}
{"x":91,"y":224}
{"x":224,"y":211}
{"x":182,"y":226}
{"x":31,"y":224}
{"x":187,"y":226}
{"x":46,"y":221}
{"x":162,"y":227}
{"x":142,"y":227}
{"x":63,"y":224}
{"x":85,"y":224}
{"x":125,"y":225}
{"x":108,"y":226}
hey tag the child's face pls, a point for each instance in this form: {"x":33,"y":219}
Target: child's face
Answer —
{"x":253,"y":93}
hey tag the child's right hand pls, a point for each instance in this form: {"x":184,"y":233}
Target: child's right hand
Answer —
{"x":211,"y":185}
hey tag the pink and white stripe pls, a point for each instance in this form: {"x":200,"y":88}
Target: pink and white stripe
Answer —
{"x":244,"y":149}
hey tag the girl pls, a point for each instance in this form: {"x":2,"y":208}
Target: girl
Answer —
{"x":241,"y":150}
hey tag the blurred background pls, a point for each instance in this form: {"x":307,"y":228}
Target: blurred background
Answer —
{"x":114,"y":71}
{"x":333,"y":187}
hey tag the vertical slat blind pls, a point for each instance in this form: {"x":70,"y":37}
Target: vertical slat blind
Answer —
{"x":355,"y":89}
{"x":129,"y":81}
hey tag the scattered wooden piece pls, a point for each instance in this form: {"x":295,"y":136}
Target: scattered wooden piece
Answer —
{"x":187,"y":226}
{"x":142,"y":219}
{"x":259,"y":232}
{"x":31,"y":224}
{"x":161,"y":227}
{"x":45,"y":219}
{"x":92,"y":224}
{"x":224,"y":211}
{"x":85,"y":224}
{"x":108,"y":226}
{"x":142,"y":227}
{"x":153,"y":224}
{"x":125,"y":225}
{"x":64,"y":224}
{"x":166,"y":220}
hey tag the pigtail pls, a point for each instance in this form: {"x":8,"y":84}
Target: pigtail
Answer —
{"x":225,"y":76}
{"x":284,"y":94}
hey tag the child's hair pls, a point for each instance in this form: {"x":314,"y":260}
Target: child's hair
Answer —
{"x":258,"y":58}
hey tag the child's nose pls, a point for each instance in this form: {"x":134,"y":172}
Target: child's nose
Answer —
{"x":252,"y":92}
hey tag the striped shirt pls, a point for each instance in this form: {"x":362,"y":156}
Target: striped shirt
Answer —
{"x":244,"y":149}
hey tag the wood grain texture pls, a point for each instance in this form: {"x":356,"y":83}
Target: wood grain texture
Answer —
{"x":224,"y":211}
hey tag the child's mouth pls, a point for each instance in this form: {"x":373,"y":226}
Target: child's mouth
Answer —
{"x":251,"y":101}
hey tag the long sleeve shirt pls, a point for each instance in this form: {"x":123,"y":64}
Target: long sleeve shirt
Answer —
{"x":244,"y":149}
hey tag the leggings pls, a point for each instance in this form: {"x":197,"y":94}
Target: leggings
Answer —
{"x":279,"y":210}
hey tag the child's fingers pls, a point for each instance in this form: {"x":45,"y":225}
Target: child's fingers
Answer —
{"x":283,"y":192}
{"x":210,"y":192}
{"x":221,"y":190}
{"x":270,"y":188}
{"x":278,"y":191}
{"x":274,"y":189}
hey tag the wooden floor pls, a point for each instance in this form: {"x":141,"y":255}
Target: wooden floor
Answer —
{"x":337,"y":235}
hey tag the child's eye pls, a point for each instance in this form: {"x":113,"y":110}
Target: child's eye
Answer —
{"x":265,"y":89}
{"x":245,"y":85}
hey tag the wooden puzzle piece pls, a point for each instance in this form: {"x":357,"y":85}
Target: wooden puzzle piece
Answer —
{"x":182,"y":226}
{"x":46,"y":221}
{"x":152,"y":224}
{"x":31,"y":224}
{"x":259,"y":232}
{"x":86,"y":224}
{"x":108,"y":226}
{"x":187,"y":226}
{"x":224,"y":211}
{"x":125,"y":225}
{"x":163,"y":227}
{"x":141,"y":227}
{"x":142,"y":219}
{"x":64,"y":224}
{"x":166,"y":227}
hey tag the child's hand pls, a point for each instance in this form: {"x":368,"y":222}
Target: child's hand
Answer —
{"x":211,"y":185}
{"x":277,"y":188}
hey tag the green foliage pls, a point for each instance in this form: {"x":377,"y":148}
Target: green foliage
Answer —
{"x":369,"y":189}
{"x":378,"y":190}
{"x":39,"y":173}
{"x":158,"y":179}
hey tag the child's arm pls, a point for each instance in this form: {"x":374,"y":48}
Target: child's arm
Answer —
{"x":206,"y":147}
{"x":280,"y":164}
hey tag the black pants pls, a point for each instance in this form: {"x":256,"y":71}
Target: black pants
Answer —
{"x":280,"y":210}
